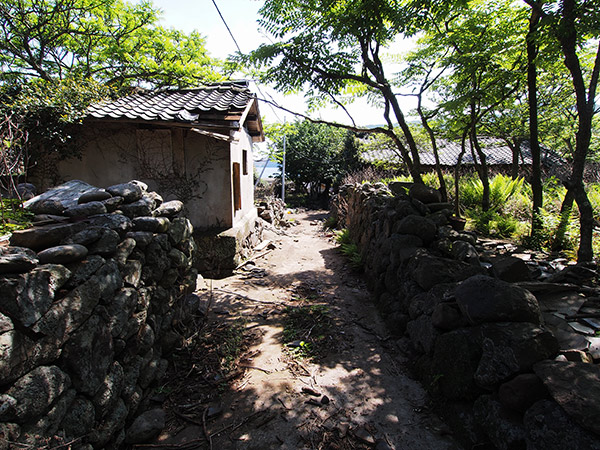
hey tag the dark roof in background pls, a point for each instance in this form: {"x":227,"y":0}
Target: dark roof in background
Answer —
{"x":212,"y":105}
{"x":496,"y":150}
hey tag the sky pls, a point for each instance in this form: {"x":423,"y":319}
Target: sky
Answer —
{"x":241,"y":16}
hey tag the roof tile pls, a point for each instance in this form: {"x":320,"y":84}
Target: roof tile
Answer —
{"x":175,"y":105}
{"x":497,"y":153}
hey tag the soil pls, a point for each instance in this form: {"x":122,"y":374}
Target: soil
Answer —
{"x":290,"y":353}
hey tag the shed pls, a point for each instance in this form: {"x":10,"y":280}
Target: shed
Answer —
{"x":194,"y":145}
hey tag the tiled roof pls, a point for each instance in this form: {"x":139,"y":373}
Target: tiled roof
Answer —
{"x":186,"y":105}
{"x":496,"y":151}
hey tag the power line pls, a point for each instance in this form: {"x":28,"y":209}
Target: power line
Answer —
{"x":239,"y":50}
{"x":226,"y":26}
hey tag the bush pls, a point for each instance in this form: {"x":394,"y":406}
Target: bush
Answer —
{"x":13,"y":216}
{"x":349,"y":249}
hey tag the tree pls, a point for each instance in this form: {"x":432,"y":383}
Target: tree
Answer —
{"x":58,"y":56}
{"x":111,"y":41}
{"x":479,"y":47}
{"x":317,"y":156}
{"x":575,"y":26}
{"x":48,"y":113}
{"x":333,"y":50}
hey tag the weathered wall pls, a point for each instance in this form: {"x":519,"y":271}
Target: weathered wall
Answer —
{"x":88,"y":304}
{"x":477,"y":341}
{"x":241,"y":144}
{"x":175,"y":162}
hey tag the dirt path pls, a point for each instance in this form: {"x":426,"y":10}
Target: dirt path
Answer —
{"x":354,"y":394}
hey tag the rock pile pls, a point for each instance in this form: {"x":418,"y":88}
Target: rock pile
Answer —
{"x":88,"y":303}
{"x":272,"y":210}
{"x":479,"y":339}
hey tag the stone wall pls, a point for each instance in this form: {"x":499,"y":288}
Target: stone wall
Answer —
{"x":220,"y":252}
{"x":88,"y":303}
{"x":478,"y":342}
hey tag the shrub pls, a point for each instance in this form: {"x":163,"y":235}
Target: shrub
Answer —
{"x":349,"y":249}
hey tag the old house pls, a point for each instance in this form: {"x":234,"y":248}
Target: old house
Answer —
{"x":500,"y":157}
{"x":194,"y":145}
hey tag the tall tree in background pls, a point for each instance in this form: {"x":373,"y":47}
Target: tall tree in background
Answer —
{"x":111,"y":41}
{"x":58,"y":56}
{"x":334,"y":51}
{"x":572,"y":23}
{"x":534,"y":137}
{"x":317,"y":156}
{"x":481,"y":49}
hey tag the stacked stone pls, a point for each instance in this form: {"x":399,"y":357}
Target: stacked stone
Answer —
{"x":478,"y":341}
{"x":87,"y":308}
{"x":272,"y":210}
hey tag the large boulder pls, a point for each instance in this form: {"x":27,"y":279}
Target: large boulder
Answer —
{"x":485,"y":299}
{"x":424,"y":194}
{"x":504,"y":429}
{"x":110,"y":390}
{"x":17,"y":260}
{"x":88,"y":355}
{"x":521,"y":392}
{"x":422,"y":333}
{"x":130,"y":192}
{"x":67,"y":314}
{"x":576,"y":388}
{"x":19,"y":354}
{"x":79,"y":419}
{"x":455,"y":359}
{"x":63,"y":254}
{"x":549,"y":428}
{"x":428,"y":270}
{"x":417,"y":226}
{"x":39,"y":238}
{"x":511,"y":269}
{"x":146,"y":426}
{"x":35,"y":392}
{"x":61,"y":197}
{"x":85,"y":209}
{"x":27,"y":297}
{"x":511,"y":348}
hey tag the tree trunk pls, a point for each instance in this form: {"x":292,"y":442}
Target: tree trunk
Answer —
{"x":565,"y":216}
{"x":414,"y":163}
{"x":534,"y":144}
{"x":434,"y":147}
{"x":585,"y":109}
{"x":482,"y":170}
{"x":463,"y":150}
{"x":515,"y":147}
{"x":586,"y":224}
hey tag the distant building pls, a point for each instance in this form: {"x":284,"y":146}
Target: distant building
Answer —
{"x":499,"y":156}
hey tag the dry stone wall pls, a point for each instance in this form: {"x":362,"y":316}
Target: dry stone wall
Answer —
{"x":89,"y":303}
{"x":479,"y":342}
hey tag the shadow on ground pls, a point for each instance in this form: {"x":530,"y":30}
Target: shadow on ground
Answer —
{"x":354,"y":395}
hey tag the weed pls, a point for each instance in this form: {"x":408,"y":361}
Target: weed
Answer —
{"x":330,"y":223}
{"x":343,"y":237}
{"x":307,"y":330}
{"x":13,"y":216}
{"x":223,"y":345}
{"x":349,"y":249}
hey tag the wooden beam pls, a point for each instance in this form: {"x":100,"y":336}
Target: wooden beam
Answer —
{"x":211,"y":134}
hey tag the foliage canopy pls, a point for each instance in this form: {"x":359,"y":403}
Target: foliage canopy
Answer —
{"x":112,"y":41}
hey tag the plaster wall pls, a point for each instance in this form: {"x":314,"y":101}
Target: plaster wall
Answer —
{"x":241,"y":153}
{"x":175,"y":162}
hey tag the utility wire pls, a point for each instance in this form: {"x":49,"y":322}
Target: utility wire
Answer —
{"x":239,"y":50}
{"x":226,"y":26}
{"x":266,"y":101}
